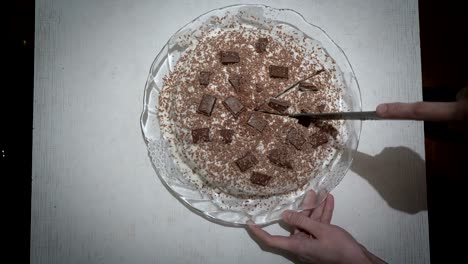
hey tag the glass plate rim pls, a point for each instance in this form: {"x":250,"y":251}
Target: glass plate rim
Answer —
{"x":146,"y":96}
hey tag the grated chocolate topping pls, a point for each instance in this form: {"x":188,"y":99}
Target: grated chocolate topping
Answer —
{"x":249,"y":152}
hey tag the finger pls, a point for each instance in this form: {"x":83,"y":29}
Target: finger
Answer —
{"x":429,"y":111}
{"x":280,"y":242}
{"x":306,"y":205}
{"x":328,"y":210}
{"x":303,"y":222}
{"x":317,"y":212}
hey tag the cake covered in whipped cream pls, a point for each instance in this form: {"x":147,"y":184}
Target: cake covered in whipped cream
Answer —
{"x":224,"y":110}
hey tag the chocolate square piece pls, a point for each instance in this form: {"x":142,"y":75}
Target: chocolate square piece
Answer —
{"x":259,"y":178}
{"x":278,"y":105}
{"x":262,"y":107}
{"x":229,"y":57}
{"x":257,"y":122}
{"x":201,"y":135}
{"x":318,"y":139}
{"x":237,"y":81}
{"x":295,"y":138}
{"x":280,"y":157}
{"x":307,"y":86}
{"x":305,"y":120}
{"x":321,"y":108}
{"x":261,"y":45}
{"x":246,"y":162}
{"x":204,"y":77}
{"x":206,"y":105}
{"x":278,"y":71}
{"x":227,"y":135}
{"x":329,"y":129}
{"x":233,"y":105}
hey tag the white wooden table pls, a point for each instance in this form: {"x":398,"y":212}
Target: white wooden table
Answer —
{"x":95,"y":196}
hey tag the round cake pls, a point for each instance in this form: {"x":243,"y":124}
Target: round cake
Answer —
{"x":223,"y":109}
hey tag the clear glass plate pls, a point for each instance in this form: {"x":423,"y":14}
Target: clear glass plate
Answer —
{"x":212,"y":204}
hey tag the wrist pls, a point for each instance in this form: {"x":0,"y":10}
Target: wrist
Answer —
{"x":371,"y":257}
{"x":355,"y":256}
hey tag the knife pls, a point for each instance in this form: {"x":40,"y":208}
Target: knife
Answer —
{"x":365,"y":115}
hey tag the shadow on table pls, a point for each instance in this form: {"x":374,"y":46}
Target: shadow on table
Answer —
{"x":398,"y":174}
